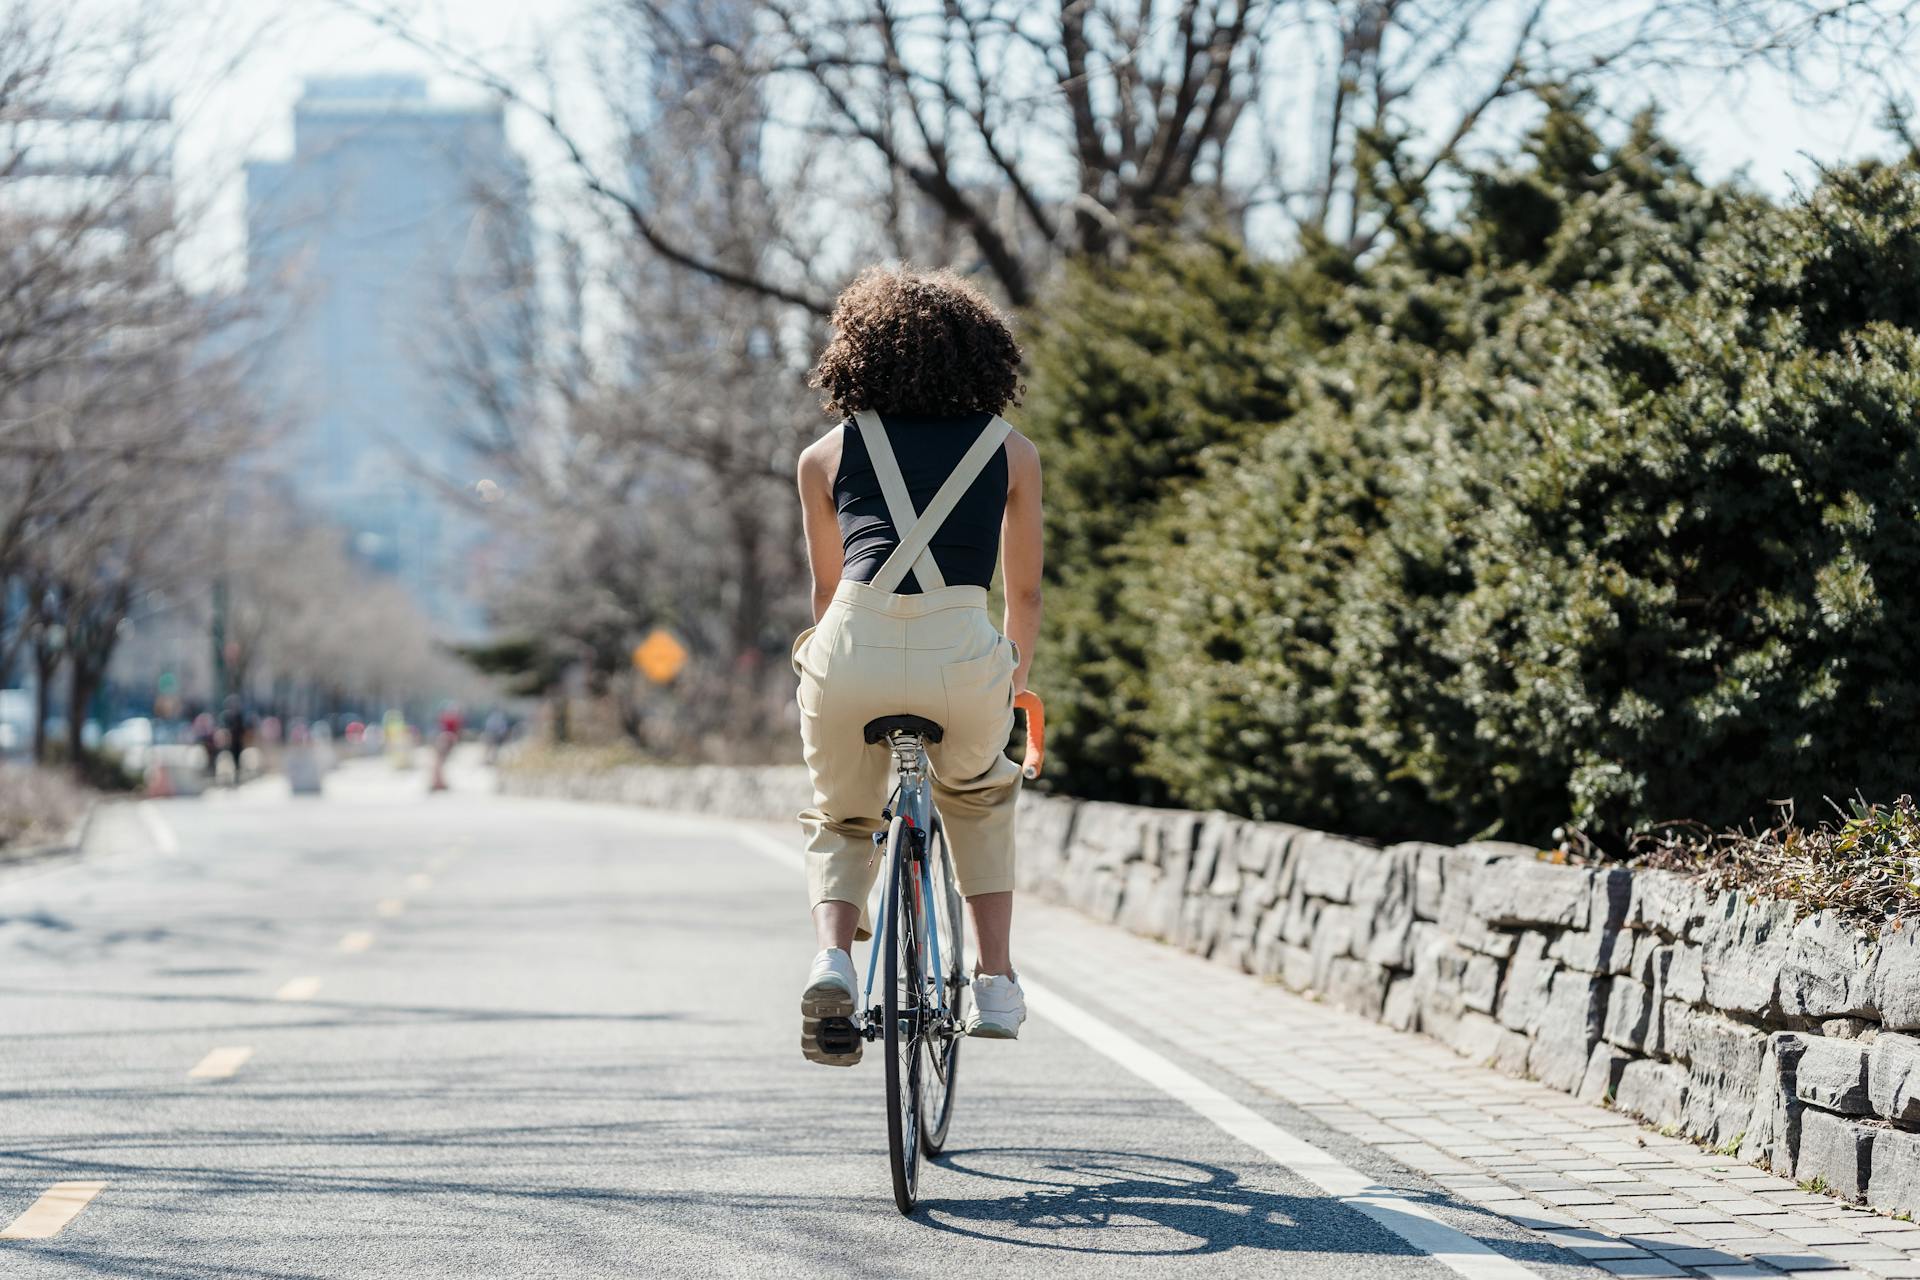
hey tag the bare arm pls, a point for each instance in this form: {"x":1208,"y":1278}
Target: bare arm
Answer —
{"x":820,"y":521}
{"x":1022,"y":553}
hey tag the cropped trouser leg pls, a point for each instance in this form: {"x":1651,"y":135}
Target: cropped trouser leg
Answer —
{"x":934,"y":655}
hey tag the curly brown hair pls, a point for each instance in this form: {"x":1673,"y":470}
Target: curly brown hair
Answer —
{"x":922,"y":343}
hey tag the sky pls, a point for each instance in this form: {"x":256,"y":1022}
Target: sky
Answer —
{"x":242,"y":63}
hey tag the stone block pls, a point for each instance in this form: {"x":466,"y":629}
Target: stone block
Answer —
{"x":1300,"y":917}
{"x":1893,"y":988}
{"x":1144,"y":909}
{"x":1529,"y":892}
{"x":1462,"y":870}
{"x":1429,"y":862}
{"x":1723,"y":1076}
{"x":1743,"y":951}
{"x":1327,"y":865}
{"x":1629,"y":1015}
{"x":1524,"y":993}
{"x":1438,"y":965}
{"x":1109,"y":835}
{"x":1894,"y":1182}
{"x":1332,"y":936}
{"x":1836,"y":1150}
{"x":1664,"y":903}
{"x":1654,"y":1091}
{"x":1833,"y":1076}
{"x":1773,"y":1128}
{"x":1686,"y":977}
{"x":1510,"y":1053}
{"x":1604,"y":946}
{"x":1649,"y":948}
{"x":1383,"y":906}
{"x":1474,"y":1036}
{"x":1567,"y":1029}
{"x":1267,"y":943}
{"x":1480,"y":982}
{"x":1823,"y":973}
{"x":1259,"y":846}
{"x":1401,"y":1009}
{"x":1893,"y":1077}
{"x":1849,"y":1028}
{"x":1296,"y":968}
{"x":1602,"y":1075}
{"x":1356,"y":986}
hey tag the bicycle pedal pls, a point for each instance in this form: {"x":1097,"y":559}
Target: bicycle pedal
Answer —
{"x":839,"y":1036}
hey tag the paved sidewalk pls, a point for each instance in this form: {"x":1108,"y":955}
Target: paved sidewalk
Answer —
{"x":1590,"y":1180}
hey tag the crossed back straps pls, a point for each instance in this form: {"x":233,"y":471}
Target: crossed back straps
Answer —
{"x":916,"y":530}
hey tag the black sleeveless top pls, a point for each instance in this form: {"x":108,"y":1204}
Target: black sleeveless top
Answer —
{"x":967,"y":547}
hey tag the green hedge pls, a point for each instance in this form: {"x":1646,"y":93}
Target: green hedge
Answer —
{"x":1594,"y":504}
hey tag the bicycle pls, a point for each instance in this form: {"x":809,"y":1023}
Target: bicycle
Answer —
{"x":922,"y":1018}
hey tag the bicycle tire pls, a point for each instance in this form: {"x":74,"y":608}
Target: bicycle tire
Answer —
{"x":943,"y":1056}
{"x":902,"y":995}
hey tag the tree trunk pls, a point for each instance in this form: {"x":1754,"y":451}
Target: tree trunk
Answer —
{"x":46,"y":664}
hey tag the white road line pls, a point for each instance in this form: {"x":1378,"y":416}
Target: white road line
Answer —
{"x":389,"y":907}
{"x":1393,"y":1209}
{"x":59,"y":1205}
{"x":158,"y":829}
{"x":419,"y":881}
{"x":358,"y":940}
{"x":221,"y":1063}
{"x":298,"y":989}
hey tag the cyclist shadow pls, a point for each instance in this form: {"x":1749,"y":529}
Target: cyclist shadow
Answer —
{"x":1130,"y":1203}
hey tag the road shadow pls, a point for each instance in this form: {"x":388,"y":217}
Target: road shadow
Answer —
{"x":1139,"y":1204}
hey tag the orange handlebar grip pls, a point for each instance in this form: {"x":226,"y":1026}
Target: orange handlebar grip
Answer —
{"x":1036,"y":711}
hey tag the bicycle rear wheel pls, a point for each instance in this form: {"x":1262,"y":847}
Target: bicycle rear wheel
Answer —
{"x":943,"y":1051}
{"x":905,"y":1021}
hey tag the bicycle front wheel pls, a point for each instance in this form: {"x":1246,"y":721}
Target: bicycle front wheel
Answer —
{"x":905,"y":1028}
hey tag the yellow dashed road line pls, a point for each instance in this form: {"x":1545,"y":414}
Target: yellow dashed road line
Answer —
{"x":60,"y":1205}
{"x":221,"y":1063}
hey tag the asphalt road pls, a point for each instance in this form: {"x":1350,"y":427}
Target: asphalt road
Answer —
{"x":471,"y":1036}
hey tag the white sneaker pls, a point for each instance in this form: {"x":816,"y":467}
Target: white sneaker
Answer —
{"x":827,"y":1031}
{"x":999,"y":1007}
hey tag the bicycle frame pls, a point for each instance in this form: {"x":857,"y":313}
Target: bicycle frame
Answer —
{"x":912,"y":800}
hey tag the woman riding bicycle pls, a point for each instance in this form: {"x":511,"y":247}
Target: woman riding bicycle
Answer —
{"x":919,"y":369}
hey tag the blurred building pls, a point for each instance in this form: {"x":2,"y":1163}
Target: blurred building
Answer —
{"x":372,"y":253}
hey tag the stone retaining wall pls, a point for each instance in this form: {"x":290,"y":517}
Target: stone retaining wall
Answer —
{"x":770,"y":792}
{"x":1788,"y":1038}
{"x":1791,"y":1039}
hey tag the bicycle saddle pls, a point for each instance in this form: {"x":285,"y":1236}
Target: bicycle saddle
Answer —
{"x":879,"y":728}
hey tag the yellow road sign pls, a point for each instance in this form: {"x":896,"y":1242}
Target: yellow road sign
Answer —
{"x":659,"y":657}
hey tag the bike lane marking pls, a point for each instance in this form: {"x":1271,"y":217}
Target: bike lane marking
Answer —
{"x":1390,"y":1207}
{"x":159,"y":830}
{"x":60,"y":1204}
{"x":221,"y":1063}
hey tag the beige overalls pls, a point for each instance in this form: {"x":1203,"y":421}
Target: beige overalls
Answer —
{"x":875,"y":653}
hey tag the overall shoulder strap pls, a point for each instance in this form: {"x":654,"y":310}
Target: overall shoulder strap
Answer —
{"x":914,"y":541}
{"x":893,"y":488}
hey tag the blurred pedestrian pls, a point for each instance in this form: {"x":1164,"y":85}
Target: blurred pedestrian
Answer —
{"x":443,"y":744}
{"x":233,"y":728}
{"x":496,"y":734}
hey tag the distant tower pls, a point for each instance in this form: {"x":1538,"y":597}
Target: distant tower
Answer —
{"x":392,"y":205}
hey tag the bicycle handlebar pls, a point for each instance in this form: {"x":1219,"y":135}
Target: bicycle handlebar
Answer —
{"x":1029,"y":701}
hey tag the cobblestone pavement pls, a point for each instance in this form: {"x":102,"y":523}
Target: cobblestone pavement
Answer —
{"x":1591,"y":1180}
